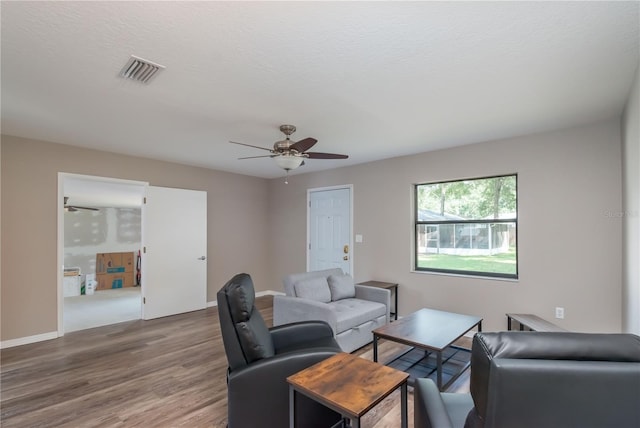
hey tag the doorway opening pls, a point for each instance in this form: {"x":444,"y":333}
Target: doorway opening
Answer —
{"x":98,"y":217}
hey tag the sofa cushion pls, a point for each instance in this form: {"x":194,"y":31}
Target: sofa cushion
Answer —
{"x":255,"y":338}
{"x":313,"y":289}
{"x":351,"y":313}
{"x":289,"y":280}
{"x":341,"y":287}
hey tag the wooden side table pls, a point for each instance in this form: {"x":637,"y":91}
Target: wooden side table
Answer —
{"x":532,"y":322}
{"x":349,"y":385}
{"x":393,"y":287}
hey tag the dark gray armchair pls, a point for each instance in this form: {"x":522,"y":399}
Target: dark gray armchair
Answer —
{"x":260,"y":360}
{"x":539,"y":379}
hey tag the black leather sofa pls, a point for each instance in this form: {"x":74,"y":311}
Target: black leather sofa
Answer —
{"x":260,"y":360}
{"x":541,"y":380}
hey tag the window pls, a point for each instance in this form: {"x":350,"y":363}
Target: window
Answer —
{"x":468,"y":227}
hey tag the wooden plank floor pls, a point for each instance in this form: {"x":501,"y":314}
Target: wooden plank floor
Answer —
{"x":168,"y":372}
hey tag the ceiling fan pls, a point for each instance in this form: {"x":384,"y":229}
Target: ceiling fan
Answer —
{"x":290,"y":155}
{"x":74,"y":208}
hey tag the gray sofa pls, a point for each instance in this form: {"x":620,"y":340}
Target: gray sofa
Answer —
{"x":353,"y":311}
{"x":540,"y":379}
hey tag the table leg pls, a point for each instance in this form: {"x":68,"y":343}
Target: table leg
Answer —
{"x":375,"y":348}
{"x":508,"y":323}
{"x":480,"y":326}
{"x":395,"y":308}
{"x":403,"y":406}
{"x":439,"y":369}
{"x":342,"y":423}
{"x":355,"y":422}
{"x":292,"y":407}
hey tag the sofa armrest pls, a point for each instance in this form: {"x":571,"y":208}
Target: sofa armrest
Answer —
{"x":264,"y":372}
{"x":291,"y":335}
{"x":288,"y":310}
{"x":375,"y":294}
{"x":267,"y":379}
{"x":429,"y":409}
{"x":584,"y":393}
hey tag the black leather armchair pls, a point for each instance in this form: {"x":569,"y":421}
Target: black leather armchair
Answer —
{"x":539,"y":379}
{"x":260,"y":360}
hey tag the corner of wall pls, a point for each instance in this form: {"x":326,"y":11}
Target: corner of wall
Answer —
{"x":631,"y":188}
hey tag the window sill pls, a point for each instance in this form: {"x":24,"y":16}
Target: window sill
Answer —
{"x":461,"y":275}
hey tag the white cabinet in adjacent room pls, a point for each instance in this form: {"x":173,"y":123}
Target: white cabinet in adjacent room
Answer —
{"x":71,"y":282}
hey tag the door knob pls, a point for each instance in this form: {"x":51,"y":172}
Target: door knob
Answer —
{"x":202,"y":258}
{"x":345,"y":249}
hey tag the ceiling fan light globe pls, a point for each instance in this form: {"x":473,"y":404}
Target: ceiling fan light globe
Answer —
{"x":288,"y":162}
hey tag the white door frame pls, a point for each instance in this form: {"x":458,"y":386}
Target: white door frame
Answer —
{"x":322,"y":189}
{"x":60,"y":257}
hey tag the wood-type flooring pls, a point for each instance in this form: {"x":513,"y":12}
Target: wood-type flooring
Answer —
{"x":168,"y":372}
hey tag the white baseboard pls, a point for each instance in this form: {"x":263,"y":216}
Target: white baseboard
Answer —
{"x":258,"y":294}
{"x":27,"y":340}
{"x":54,"y":334}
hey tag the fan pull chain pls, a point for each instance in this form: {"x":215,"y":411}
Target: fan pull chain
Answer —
{"x":286,"y":177}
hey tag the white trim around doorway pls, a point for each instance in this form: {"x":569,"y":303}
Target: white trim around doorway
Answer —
{"x":62,"y":176}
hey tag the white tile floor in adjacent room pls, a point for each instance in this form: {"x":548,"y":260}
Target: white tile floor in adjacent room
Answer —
{"x":104,"y":307}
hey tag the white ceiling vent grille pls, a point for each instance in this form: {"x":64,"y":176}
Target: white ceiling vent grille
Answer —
{"x":140,"y":70}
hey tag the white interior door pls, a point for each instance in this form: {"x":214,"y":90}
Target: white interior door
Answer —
{"x":174,"y":266}
{"x":330,"y":229}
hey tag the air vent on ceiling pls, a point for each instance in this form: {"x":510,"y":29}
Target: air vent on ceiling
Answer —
{"x":140,"y":70}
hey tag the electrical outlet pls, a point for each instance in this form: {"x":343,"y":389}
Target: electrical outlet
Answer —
{"x":560,"y":313}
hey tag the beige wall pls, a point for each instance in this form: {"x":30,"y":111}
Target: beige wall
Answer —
{"x":631,"y":186}
{"x":570,"y":234}
{"x":237,"y":223}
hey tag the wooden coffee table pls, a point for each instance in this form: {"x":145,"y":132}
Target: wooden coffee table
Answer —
{"x":349,"y":385}
{"x":431,"y":331}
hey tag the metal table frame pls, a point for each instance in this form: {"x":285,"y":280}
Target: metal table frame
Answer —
{"x":354,"y":420}
{"x":427,"y":349}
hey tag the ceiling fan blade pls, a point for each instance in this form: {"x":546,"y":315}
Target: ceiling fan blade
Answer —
{"x":317,"y":155}
{"x":76,"y":207}
{"x":254,"y":157}
{"x":304,"y":145}
{"x":249,"y":145}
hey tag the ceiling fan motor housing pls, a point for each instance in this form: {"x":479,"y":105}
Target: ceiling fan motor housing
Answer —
{"x":282,"y":146}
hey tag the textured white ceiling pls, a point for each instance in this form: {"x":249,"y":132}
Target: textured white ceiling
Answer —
{"x":369,"y":79}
